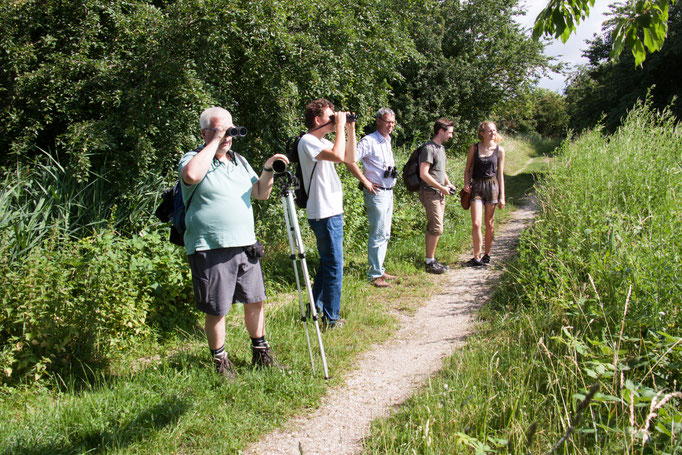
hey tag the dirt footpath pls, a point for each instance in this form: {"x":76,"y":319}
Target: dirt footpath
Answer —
{"x":389,"y":373}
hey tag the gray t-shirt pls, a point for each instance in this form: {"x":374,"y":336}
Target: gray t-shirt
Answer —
{"x":433,"y":154}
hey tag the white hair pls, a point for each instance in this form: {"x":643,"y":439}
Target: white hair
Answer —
{"x":383,"y":111}
{"x":211,"y":113}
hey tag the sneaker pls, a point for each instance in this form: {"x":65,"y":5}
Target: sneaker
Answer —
{"x":224,"y":367}
{"x":262,"y":356}
{"x":473,"y":262}
{"x":332,"y":325}
{"x":485,"y":259}
{"x":445,"y":266}
{"x":435,"y":267}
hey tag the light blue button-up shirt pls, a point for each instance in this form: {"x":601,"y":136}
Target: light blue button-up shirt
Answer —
{"x":374,"y":150}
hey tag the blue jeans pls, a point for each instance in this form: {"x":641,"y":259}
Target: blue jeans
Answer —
{"x":327,"y":285}
{"x":380,"y":213}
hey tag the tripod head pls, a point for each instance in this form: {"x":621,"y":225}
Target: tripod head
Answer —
{"x":286,"y":181}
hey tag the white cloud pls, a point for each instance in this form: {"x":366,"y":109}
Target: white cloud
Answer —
{"x":571,"y":51}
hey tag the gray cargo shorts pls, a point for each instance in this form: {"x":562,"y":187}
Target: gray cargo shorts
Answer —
{"x":224,"y":276}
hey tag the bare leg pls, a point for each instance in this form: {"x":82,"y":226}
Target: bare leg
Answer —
{"x":489,"y":227}
{"x":214,"y":327}
{"x":431,"y":244}
{"x":477,"y":237}
{"x":254,"y":318}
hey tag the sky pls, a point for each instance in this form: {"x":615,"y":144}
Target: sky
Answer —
{"x":571,"y":51}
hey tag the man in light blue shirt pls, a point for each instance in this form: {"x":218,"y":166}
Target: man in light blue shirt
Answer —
{"x":378,"y":180}
{"x":217,"y":186}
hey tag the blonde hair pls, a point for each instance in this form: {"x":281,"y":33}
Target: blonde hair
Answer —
{"x":481,"y":127}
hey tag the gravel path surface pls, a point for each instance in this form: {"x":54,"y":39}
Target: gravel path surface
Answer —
{"x":388,"y":373}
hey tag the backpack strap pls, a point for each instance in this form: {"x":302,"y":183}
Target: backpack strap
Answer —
{"x":311,"y":178}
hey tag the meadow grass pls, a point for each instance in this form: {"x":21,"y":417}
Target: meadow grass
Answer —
{"x":160,"y":395}
{"x":580,"y":349}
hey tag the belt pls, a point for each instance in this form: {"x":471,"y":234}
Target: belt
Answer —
{"x":385,"y":189}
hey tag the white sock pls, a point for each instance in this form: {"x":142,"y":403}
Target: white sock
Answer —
{"x":429,"y":260}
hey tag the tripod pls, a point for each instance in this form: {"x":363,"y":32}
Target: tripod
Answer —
{"x":286,"y":185}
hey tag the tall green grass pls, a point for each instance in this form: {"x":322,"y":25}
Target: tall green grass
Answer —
{"x":583,"y":347}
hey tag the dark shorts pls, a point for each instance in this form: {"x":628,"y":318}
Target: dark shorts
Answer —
{"x":485,"y":190}
{"x":225,"y":276}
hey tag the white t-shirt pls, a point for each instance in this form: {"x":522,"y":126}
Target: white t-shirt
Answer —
{"x":325,"y":194}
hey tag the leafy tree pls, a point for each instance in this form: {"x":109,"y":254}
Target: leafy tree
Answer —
{"x":605,"y":90}
{"x":641,"y":25}
{"x":472,"y":57}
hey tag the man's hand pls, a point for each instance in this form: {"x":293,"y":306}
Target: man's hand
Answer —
{"x":215,"y":134}
{"x":370,"y":186}
{"x":273,"y":158}
{"x":340,"y":119}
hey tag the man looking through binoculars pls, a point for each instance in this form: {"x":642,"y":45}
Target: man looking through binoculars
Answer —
{"x":324,"y":210}
{"x":217,"y":186}
{"x":378,"y":179}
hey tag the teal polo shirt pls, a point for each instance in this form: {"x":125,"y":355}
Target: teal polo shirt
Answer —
{"x":220,"y":214}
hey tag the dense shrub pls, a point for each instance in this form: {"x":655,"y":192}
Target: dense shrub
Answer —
{"x":80,"y":301}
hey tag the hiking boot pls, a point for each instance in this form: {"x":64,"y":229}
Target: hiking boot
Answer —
{"x":473,"y":262}
{"x":224,"y":367}
{"x":485,"y":259}
{"x":435,"y":267}
{"x":262,"y":356}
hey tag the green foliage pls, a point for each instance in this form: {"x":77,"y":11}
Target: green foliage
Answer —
{"x":539,"y":111}
{"x":472,"y":56}
{"x":604,"y":90}
{"x":85,"y":299}
{"x":113,"y":91}
{"x":640,"y":25}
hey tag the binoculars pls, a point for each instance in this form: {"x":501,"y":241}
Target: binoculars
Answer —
{"x":391,"y":171}
{"x":349,"y":118}
{"x":237,"y":131}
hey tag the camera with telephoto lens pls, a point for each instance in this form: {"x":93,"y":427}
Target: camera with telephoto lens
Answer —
{"x":279,"y":166}
{"x":237,"y":131}
{"x":349,"y":118}
{"x":391,"y":171}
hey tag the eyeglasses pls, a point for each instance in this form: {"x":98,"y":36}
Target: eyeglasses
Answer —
{"x":387,"y":122}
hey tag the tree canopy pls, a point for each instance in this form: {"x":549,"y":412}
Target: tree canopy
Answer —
{"x":640,"y":25}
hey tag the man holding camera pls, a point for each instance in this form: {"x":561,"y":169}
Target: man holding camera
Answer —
{"x":435,"y":187}
{"x":324,"y":210}
{"x":217,"y":186}
{"x":378,"y":179}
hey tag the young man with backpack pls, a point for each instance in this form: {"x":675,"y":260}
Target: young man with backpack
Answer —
{"x":435,"y":187}
{"x":220,"y":241}
{"x":324,"y":210}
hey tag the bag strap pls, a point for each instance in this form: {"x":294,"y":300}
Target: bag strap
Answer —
{"x":311,"y":178}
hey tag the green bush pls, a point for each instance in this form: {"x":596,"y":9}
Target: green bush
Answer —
{"x":87,"y":297}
